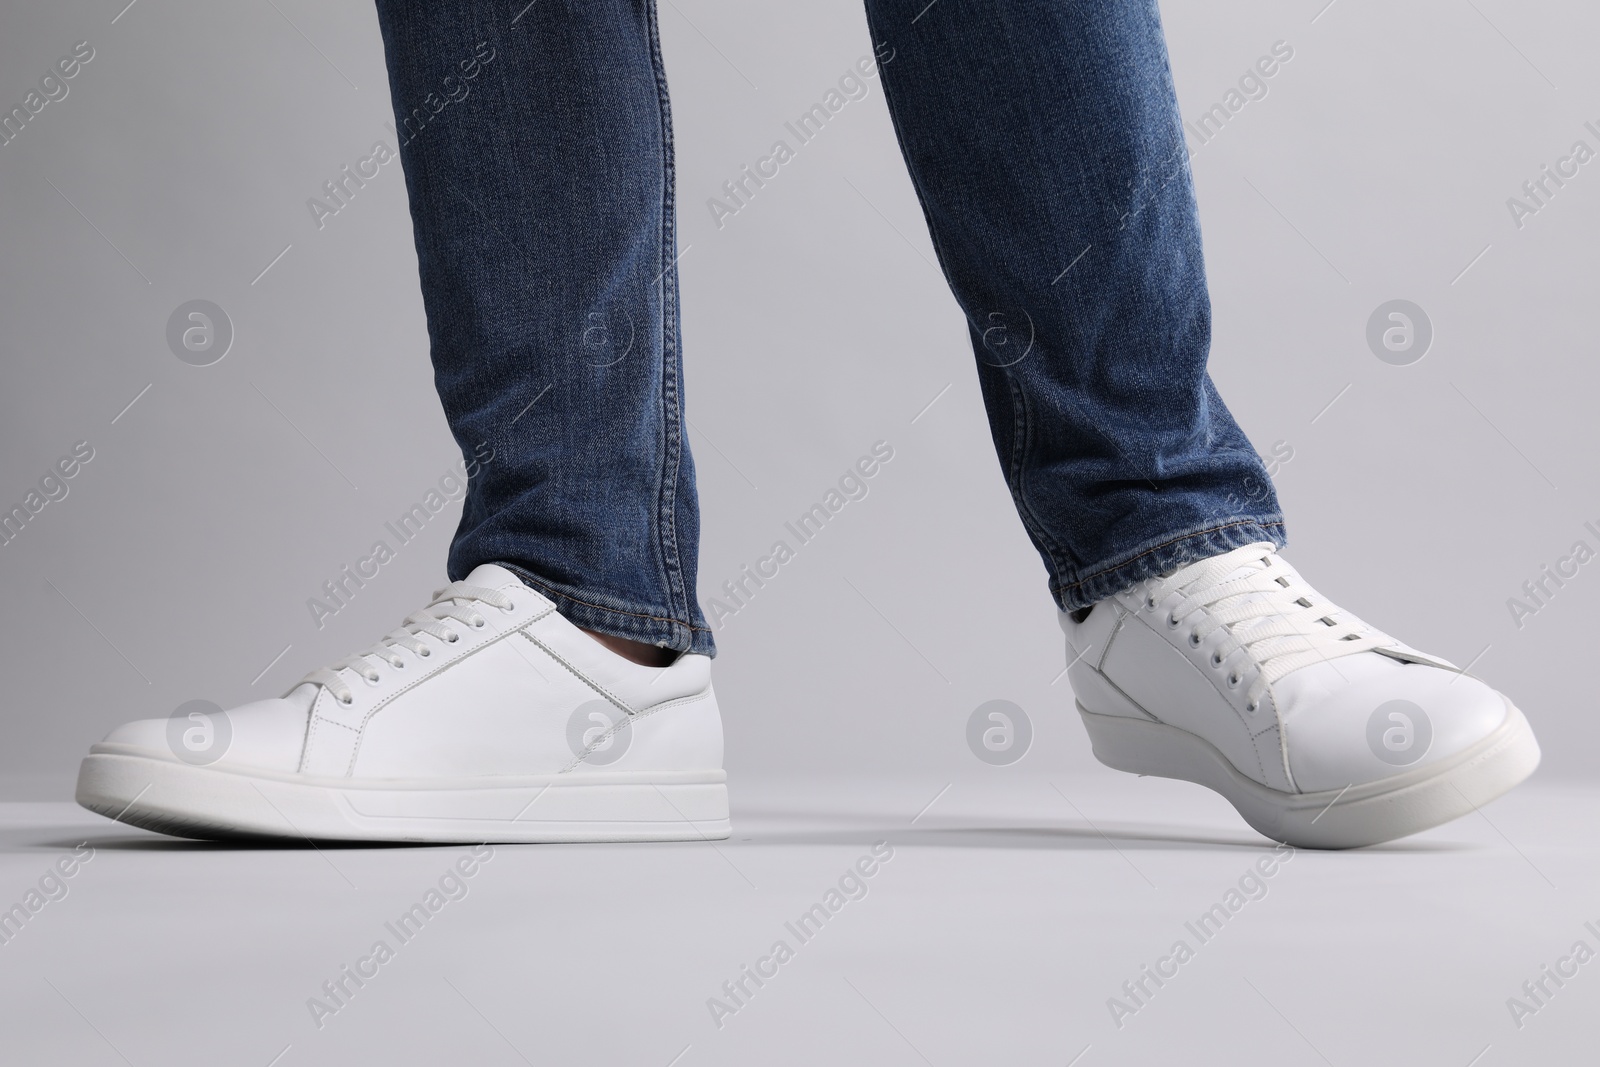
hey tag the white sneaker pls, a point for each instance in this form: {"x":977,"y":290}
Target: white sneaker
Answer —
{"x":1322,"y":732}
{"x":486,"y":717}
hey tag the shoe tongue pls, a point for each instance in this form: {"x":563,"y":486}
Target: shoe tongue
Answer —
{"x":1314,"y":681}
{"x":494,"y":576}
{"x":491,"y":576}
{"x":1250,"y":562}
{"x":1241,"y":572}
{"x":1251,"y":565}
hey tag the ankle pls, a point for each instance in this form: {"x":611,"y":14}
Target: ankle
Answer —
{"x":635,"y":651}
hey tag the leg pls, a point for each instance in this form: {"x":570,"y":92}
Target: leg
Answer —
{"x":538,"y":157}
{"x":538,"y":160}
{"x":1044,"y":140}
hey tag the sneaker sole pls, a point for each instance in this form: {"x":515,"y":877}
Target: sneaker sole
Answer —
{"x":224,"y":803}
{"x":1357,"y":815}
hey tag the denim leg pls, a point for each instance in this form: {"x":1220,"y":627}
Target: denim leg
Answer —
{"x":537,"y":150}
{"x":1044,"y":141}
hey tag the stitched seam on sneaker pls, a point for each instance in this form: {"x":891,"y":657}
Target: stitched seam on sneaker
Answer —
{"x":1283,"y":753}
{"x":361,"y":731}
{"x":1111,"y":635}
{"x":630,"y":720}
{"x":1129,"y":698}
{"x":340,"y":725}
{"x":317,"y":721}
{"x":584,"y":678}
{"x":1255,"y":750}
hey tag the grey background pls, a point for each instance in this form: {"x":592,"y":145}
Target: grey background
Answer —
{"x":1021,"y":896}
{"x":180,"y":564}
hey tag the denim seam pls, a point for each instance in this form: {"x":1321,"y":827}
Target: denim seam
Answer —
{"x":532,"y":581}
{"x":1165,"y":544}
{"x":1021,"y":433}
{"x":672,"y":430}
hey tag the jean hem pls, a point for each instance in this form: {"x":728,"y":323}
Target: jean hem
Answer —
{"x":633,"y":625}
{"x":1166,"y":556}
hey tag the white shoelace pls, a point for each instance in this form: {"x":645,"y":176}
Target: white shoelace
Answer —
{"x":1268,"y":611}
{"x":455,"y":601}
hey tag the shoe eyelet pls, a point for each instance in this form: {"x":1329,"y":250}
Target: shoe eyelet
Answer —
{"x":372,"y":679}
{"x":1194,"y":638}
{"x":1234,"y":680}
{"x":399,"y":665}
{"x":1216,"y":658}
{"x":424,"y":653}
{"x":453,"y":638}
{"x":1149,"y":603}
{"x":1172,"y":621}
{"x":509,"y":609}
{"x":347,"y":701}
{"x":478,"y":623}
{"x":1252,"y":708}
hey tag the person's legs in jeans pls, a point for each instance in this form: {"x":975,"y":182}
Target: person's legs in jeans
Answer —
{"x":1044,"y":141}
{"x":537,"y":151}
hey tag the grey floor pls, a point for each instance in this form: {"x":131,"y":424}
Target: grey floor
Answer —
{"x":1009,"y":914}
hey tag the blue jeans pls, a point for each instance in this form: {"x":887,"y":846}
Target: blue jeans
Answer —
{"x":1044,"y":142}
